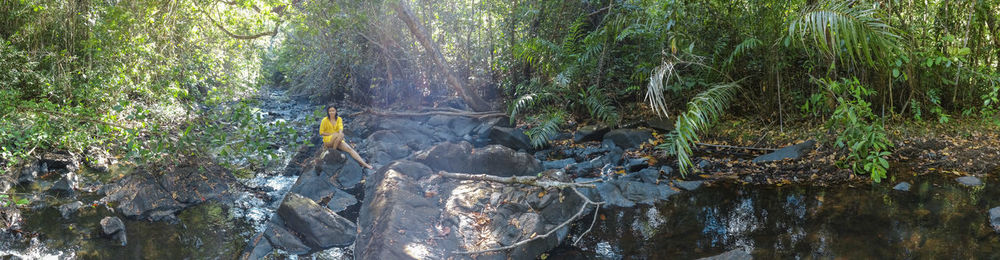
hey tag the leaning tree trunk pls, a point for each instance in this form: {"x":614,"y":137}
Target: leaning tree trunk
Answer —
{"x":418,"y":31}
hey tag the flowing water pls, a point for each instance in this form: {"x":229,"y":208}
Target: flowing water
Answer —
{"x":938,"y":218}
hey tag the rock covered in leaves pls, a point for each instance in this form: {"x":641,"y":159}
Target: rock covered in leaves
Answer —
{"x":158,"y":196}
{"x":411,"y":212}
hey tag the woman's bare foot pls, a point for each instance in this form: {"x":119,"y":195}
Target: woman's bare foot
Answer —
{"x":366,"y":165}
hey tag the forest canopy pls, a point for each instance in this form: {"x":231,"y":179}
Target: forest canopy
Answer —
{"x":134,"y":77}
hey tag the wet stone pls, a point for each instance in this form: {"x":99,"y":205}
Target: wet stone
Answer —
{"x":279,"y":237}
{"x":113,"y":228}
{"x":65,"y":186}
{"x":341,"y":200}
{"x":590,"y":133}
{"x":969,"y":181}
{"x":67,"y":210}
{"x":995,"y":219}
{"x":688,"y":185}
{"x":558,"y":164}
{"x":29,"y":174}
{"x":612,"y":195}
{"x":735,"y":254}
{"x":667,"y":170}
{"x":636,"y":164}
{"x":791,"y":152}
{"x":648,"y":175}
{"x":902,"y":186}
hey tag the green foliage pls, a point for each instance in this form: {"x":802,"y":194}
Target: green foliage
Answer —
{"x":12,"y":201}
{"x":119,"y":76}
{"x":845,"y":30}
{"x":702,"y":111}
{"x":858,"y":129}
{"x":547,"y":128}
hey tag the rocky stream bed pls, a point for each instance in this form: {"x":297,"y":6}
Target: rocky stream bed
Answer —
{"x":322,"y":204}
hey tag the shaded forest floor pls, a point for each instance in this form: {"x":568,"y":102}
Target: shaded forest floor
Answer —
{"x":963,"y":147}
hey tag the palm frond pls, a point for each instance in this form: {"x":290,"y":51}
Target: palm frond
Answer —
{"x":702,"y":111}
{"x":742,"y":48}
{"x":547,"y":127}
{"x":845,"y":30}
{"x":657,"y":82}
{"x":525,"y":102}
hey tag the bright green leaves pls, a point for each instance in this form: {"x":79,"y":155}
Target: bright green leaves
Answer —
{"x":859,"y":131}
{"x":12,"y":201}
{"x":845,"y":30}
{"x":702,"y":111}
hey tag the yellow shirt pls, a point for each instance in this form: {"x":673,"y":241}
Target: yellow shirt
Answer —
{"x":326,"y":127}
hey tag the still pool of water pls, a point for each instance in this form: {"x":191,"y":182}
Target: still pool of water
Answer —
{"x":937,"y":218}
{"x":203,"y":232}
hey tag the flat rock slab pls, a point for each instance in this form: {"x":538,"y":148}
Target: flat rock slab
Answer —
{"x":970,"y":181}
{"x":158,"y":196}
{"x":735,"y":254}
{"x":319,"y":226}
{"x":902,"y":186}
{"x":791,"y":152}
{"x":493,"y":159}
{"x":688,"y":185}
{"x":411,"y":213}
{"x":628,"y":138}
{"x":590,"y":133}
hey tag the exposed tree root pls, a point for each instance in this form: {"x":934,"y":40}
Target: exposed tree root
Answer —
{"x":428,"y":112}
{"x":533,"y":181}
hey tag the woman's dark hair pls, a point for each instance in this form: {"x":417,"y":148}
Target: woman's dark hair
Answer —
{"x":327,"y":111}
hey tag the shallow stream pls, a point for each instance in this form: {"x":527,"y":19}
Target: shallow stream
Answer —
{"x":937,"y":219}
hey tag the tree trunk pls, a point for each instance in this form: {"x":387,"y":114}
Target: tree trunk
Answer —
{"x":418,"y":31}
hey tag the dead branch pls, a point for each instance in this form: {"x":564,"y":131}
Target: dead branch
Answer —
{"x":526,"y":180}
{"x":533,"y":181}
{"x":428,"y":113}
{"x":736,"y":147}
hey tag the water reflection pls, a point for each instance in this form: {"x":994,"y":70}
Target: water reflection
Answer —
{"x":938,"y":219}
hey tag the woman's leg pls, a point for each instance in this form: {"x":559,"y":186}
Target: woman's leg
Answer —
{"x":347,"y":148}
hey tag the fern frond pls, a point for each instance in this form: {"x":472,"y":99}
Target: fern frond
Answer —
{"x":654,"y":93}
{"x":702,"y":111}
{"x":547,"y":128}
{"x":742,"y":48}
{"x":836,"y":25}
{"x":525,"y":102}
{"x":600,"y":106}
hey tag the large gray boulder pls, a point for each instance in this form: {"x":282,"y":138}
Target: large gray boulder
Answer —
{"x":411,"y":213}
{"x":493,"y":159}
{"x":511,"y":137}
{"x":452,"y":157}
{"x":629,"y":138}
{"x":791,"y":152}
{"x":159,"y":195}
{"x":319,"y":227}
{"x":590,"y":133}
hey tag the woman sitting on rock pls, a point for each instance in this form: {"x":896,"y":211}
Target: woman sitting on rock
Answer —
{"x":332,"y":130}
